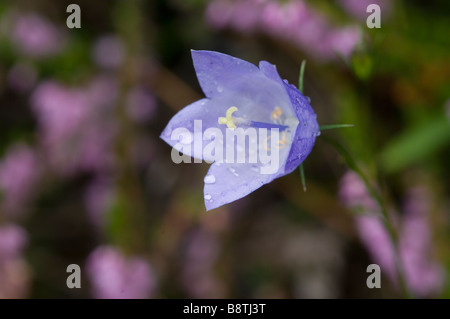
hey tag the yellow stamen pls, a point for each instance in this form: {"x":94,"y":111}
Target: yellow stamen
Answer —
{"x":276,"y":114}
{"x":281,"y":143}
{"x":229,"y":120}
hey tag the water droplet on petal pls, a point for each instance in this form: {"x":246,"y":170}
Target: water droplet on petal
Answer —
{"x":233,"y":171}
{"x":209,"y":179}
{"x":255,"y":168}
{"x":208,"y":197}
{"x":219,"y":89}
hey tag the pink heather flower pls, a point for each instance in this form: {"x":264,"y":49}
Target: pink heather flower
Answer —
{"x":96,"y":147}
{"x":271,"y":17}
{"x":13,"y":239}
{"x":353,"y":193}
{"x":61,"y":113}
{"x":200,"y":256}
{"x":35,"y":36}
{"x":19,"y":172}
{"x":60,"y":110}
{"x":299,"y":20}
{"x":14,"y":274}
{"x":374,"y":236}
{"x":22,"y":77}
{"x":343,"y":41}
{"x":218,"y":13}
{"x":292,"y":21}
{"x":246,"y":15}
{"x":114,"y":276}
{"x":98,"y":199}
{"x":108,"y":52}
{"x":358,"y":8}
{"x":311,"y":33}
{"x":77,"y":125}
{"x":423,"y":275}
{"x":140,"y":105}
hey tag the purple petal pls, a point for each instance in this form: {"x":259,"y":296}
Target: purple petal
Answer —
{"x":216,"y":72}
{"x":255,"y":98}
{"x":255,"y":92}
{"x":204,"y":110}
{"x":307,"y":129}
{"x":270,"y":71}
{"x":226,"y":183}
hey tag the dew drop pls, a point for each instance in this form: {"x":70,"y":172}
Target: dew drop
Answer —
{"x":219,"y":89}
{"x":208,"y":197}
{"x":255,"y":168}
{"x":233,"y":171}
{"x":209,"y":179}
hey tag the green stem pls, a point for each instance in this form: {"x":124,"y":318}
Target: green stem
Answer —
{"x":302,"y":176}
{"x":333,"y":126}
{"x":302,"y":73}
{"x":300,"y":88}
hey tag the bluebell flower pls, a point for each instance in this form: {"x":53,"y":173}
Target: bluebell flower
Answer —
{"x":241,"y":97}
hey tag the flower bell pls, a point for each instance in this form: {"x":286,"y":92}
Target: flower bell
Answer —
{"x":244,"y":103}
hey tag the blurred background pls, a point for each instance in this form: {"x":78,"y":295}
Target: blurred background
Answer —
{"x":85,"y":179}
